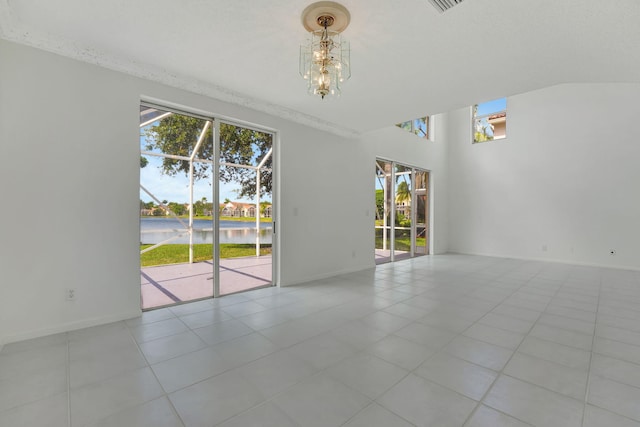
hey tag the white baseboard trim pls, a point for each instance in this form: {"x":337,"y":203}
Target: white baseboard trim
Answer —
{"x":69,"y":326}
{"x":557,"y":261}
{"x":325,"y":275}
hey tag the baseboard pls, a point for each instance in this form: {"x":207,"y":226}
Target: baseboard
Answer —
{"x":326,"y":275}
{"x":557,"y":261}
{"x":69,"y":326}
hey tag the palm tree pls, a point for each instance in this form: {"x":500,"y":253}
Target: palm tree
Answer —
{"x":403,"y":193}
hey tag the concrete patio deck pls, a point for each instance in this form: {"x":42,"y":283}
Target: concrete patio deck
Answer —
{"x":170,"y":284}
{"x":384,"y":256}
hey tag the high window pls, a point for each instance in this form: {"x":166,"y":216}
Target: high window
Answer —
{"x":420,"y":126}
{"x":490,"y":120}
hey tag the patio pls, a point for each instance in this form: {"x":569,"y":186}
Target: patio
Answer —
{"x":384,"y":255}
{"x":170,"y":284}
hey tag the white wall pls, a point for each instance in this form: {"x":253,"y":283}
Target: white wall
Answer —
{"x":69,"y":186}
{"x":566,"y":177}
{"x":67,"y":135}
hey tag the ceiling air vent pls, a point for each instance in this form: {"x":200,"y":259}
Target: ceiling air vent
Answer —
{"x":444,"y":5}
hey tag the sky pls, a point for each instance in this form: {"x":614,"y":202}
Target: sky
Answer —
{"x":176,"y":188}
{"x":492,"y":106}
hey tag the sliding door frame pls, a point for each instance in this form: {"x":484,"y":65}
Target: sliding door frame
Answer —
{"x":274,"y":199}
{"x":428,"y":219}
{"x":217,"y":119}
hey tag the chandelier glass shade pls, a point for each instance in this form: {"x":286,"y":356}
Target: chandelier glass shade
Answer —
{"x":325,"y":58}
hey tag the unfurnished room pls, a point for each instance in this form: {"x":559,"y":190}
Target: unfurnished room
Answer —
{"x":298,"y":213}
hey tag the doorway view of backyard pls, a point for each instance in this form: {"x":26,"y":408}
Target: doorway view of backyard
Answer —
{"x":205,"y":207}
{"x":402,"y":212}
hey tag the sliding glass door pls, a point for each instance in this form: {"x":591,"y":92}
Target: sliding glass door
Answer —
{"x":205,"y":207}
{"x":245,"y":226}
{"x":176,"y":194}
{"x":421,"y":218}
{"x":384,"y":187}
{"x":403,"y":202}
{"x":402,"y":216}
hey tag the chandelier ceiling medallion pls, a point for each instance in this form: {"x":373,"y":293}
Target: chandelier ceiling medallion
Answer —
{"x":324,"y":60}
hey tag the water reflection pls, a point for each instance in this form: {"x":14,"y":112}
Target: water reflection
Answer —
{"x":156,"y":230}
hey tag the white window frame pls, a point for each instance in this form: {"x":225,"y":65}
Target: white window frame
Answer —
{"x":476,"y":119}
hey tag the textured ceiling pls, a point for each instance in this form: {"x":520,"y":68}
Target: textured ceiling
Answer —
{"x":407,"y":60}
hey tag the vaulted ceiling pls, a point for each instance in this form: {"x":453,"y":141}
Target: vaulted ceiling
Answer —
{"x":407,"y":59}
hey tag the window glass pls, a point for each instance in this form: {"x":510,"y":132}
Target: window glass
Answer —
{"x":419,"y":126}
{"x":490,"y":120}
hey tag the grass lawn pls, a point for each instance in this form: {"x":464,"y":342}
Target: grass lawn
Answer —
{"x":179,"y":253}
{"x":402,"y":243}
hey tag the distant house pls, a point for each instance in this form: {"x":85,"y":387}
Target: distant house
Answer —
{"x":238,"y":209}
{"x":498,"y":124}
{"x":155,"y":211}
{"x":404,"y":207}
{"x":243,"y":210}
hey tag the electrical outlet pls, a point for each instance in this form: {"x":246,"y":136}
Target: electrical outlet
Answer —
{"x":70,"y":294}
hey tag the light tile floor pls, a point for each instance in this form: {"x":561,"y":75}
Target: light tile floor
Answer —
{"x":447,"y":340}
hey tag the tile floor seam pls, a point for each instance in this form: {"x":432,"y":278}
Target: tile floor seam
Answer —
{"x":282,"y":392}
{"x":593,"y":340}
{"x":375,"y":402}
{"x":613,"y":381}
{"x":619,"y":360}
{"x":402,"y":379}
{"x":480,"y":404}
{"x":232,"y":368}
{"x":442,"y":350}
{"x":616,"y":413}
{"x":501,"y":372}
{"x":324,"y":372}
{"x":566,"y":329}
{"x":68,"y":369}
{"x":617,"y":340}
{"x":447,"y":387}
{"x":149,"y":366}
{"x":562,"y":344}
{"x":567,"y":317}
{"x":263,"y":403}
{"x":172,"y":406}
{"x":486,"y":342}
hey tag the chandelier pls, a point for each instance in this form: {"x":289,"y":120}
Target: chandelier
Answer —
{"x":324,"y":60}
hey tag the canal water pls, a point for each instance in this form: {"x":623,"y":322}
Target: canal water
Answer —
{"x":155,"y":230}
